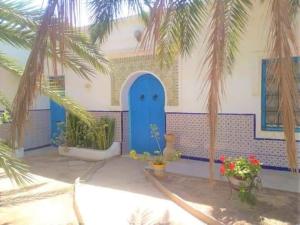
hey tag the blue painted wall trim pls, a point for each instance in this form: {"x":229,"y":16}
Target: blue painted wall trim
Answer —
{"x":202,"y":159}
{"x":37,"y":147}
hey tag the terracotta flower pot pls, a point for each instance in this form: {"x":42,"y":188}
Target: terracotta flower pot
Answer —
{"x":159,"y":170}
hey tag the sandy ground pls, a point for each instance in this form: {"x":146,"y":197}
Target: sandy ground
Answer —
{"x":273,"y":207}
{"x":112,"y":192}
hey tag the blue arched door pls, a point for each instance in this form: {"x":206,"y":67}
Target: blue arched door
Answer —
{"x":146,"y":106}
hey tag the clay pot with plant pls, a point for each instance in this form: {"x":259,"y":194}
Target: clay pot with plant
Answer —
{"x":243,"y":176}
{"x":158,"y":161}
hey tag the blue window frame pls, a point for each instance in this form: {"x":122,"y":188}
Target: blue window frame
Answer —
{"x":271,"y":119}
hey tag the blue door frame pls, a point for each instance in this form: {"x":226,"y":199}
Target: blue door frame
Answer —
{"x":146,"y":106}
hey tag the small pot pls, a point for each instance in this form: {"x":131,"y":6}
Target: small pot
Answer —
{"x":236,"y":182}
{"x":159,"y":170}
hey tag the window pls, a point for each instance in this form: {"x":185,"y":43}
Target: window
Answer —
{"x":57,"y":83}
{"x":271,"y":119}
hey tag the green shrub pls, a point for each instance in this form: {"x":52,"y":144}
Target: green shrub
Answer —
{"x":76,"y":133}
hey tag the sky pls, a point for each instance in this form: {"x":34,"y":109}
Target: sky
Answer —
{"x":84,"y":14}
{"x":84,"y":18}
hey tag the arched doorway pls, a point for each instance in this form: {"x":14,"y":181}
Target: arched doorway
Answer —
{"x":146,"y":106}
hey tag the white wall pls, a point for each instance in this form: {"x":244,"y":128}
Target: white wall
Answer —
{"x":242,"y":87}
{"x":9,"y":82}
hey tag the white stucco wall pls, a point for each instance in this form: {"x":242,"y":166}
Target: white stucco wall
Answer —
{"x":242,"y":87}
{"x":9,"y":82}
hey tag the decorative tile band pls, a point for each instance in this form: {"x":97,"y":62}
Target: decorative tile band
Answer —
{"x":235,"y":137}
{"x":123,"y":67}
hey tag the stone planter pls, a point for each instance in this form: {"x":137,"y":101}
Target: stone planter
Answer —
{"x":91,"y":154}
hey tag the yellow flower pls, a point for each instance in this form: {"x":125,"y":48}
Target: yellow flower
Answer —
{"x":132,"y":154}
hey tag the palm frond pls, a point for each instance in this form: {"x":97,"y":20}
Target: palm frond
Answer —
{"x":5,"y":102}
{"x":21,"y":13}
{"x":282,"y":46}
{"x":58,"y":12}
{"x":16,"y":35}
{"x":15,"y":169}
{"x":180,"y":30}
{"x":216,"y":61}
{"x":227,"y":24}
{"x":10,"y":64}
{"x":151,"y":36}
{"x":68,"y":104}
{"x":64,"y":101}
{"x":104,"y":15}
{"x":236,"y":17}
{"x":18,"y":21}
{"x":82,"y":47}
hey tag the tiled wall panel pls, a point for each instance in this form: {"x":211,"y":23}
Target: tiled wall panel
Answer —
{"x":37,"y":129}
{"x":125,"y":140}
{"x":236,"y":137}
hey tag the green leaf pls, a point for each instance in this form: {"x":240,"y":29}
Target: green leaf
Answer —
{"x":16,"y":170}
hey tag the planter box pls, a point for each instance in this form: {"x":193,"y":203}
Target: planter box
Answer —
{"x":91,"y":154}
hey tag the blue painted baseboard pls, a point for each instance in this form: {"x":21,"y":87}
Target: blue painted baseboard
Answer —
{"x":218,"y":161}
{"x":37,"y":147}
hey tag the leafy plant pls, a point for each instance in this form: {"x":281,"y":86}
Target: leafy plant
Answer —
{"x":158,"y":157}
{"x":245,"y":170}
{"x":5,"y":117}
{"x":77,"y":133}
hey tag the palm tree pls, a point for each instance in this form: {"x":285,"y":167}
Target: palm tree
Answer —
{"x":173,"y":28}
{"x":18,"y":25}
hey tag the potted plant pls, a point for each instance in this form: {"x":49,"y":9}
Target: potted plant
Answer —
{"x":243,"y":175}
{"x":157,"y":161}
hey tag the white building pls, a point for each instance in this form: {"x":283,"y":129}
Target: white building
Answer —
{"x":246,"y":125}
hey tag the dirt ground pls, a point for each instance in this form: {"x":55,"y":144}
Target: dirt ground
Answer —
{"x":272,"y":207}
{"x":112,"y":192}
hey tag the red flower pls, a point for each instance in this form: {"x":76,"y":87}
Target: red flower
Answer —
{"x":222,"y":158}
{"x":222,"y":169}
{"x":231,"y":166}
{"x":255,"y":162}
{"x":251,"y":157}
